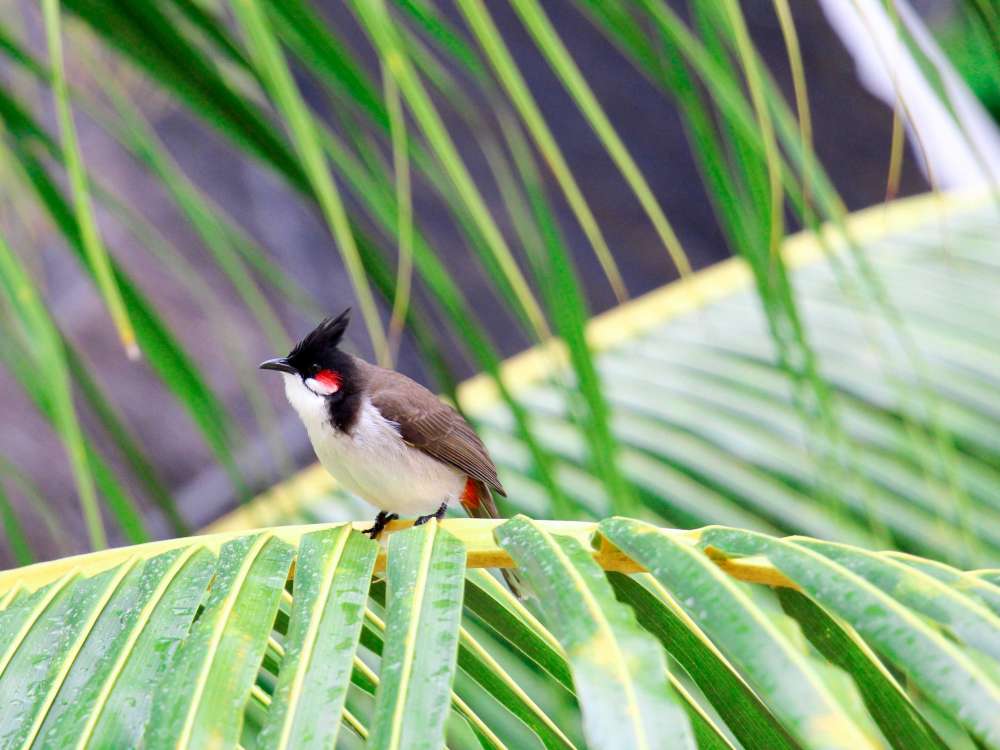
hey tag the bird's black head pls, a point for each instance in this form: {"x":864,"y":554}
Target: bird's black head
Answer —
{"x":318,"y":360}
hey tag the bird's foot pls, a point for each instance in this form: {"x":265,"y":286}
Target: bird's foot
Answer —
{"x":381,"y":521}
{"x":438,"y":514}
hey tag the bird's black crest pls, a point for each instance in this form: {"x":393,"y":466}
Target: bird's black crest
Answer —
{"x":325,"y":336}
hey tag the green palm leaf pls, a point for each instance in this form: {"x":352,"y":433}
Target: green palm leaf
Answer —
{"x":333,"y":571}
{"x":424,"y":571}
{"x":237,"y":649}
{"x":617,"y":668}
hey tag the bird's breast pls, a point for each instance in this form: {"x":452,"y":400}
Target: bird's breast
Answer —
{"x":374,"y":462}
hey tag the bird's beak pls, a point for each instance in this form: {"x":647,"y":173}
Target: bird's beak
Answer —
{"x":280,"y":364}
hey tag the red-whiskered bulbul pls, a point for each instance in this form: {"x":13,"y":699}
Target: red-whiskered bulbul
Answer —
{"x":382,"y":435}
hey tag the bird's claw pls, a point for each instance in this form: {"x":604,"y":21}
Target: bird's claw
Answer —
{"x":381,"y":521}
{"x":438,"y":514}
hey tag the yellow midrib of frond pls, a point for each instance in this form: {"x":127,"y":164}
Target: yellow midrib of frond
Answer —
{"x":476,"y":534}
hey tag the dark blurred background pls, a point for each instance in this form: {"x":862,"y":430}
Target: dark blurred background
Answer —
{"x":852,"y":136}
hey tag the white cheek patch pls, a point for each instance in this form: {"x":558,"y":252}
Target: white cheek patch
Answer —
{"x":321,"y":387}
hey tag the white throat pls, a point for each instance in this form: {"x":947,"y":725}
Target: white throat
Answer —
{"x":309,"y":403}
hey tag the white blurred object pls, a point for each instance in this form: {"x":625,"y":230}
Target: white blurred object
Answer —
{"x":963,"y":149}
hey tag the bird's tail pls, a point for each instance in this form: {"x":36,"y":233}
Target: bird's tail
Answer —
{"x":478,"y":503}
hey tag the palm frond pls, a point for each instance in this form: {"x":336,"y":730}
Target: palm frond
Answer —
{"x":642,"y":633}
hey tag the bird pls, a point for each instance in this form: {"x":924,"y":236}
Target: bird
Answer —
{"x":384,"y":436}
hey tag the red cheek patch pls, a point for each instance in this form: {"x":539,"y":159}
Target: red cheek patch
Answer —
{"x":329,"y":379}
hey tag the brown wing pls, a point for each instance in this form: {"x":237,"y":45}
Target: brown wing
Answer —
{"x":430,"y":425}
